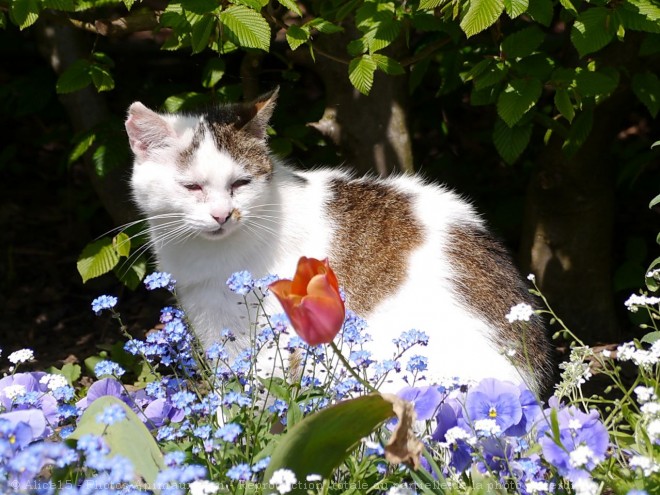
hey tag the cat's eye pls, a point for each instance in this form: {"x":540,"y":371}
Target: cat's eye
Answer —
{"x":193,"y":187}
{"x":240,"y":183}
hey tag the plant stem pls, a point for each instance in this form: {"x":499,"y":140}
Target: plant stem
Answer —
{"x":350,"y":369}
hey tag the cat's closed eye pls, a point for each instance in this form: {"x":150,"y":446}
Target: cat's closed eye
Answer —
{"x":193,"y":187}
{"x":240,"y":183}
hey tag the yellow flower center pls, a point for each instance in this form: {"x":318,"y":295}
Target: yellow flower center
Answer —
{"x":492,"y":412}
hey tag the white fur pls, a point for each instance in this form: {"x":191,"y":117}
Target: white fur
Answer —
{"x":285,"y":219}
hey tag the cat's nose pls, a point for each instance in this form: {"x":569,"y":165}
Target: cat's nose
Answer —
{"x":221,"y":218}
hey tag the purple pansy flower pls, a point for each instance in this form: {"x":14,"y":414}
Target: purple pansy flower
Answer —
{"x":426,"y":400}
{"x":496,"y":400}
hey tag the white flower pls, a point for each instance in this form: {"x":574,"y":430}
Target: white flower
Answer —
{"x":53,"y":382}
{"x":580,"y":456}
{"x":607,"y":353}
{"x":21,"y":356}
{"x":537,"y":486}
{"x":520,"y":312}
{"x":531,"y":277}
{"x":401,"y":490}
{"x":574,"y":424}
{"x":654,"y":274}
{"x":636,"y":300}
{"x":454,"y":434}
{"x":314,"y":477}
{"x":585,"y":486}
{"x":283,"y":480}
{"x":650,"y":409}
{"x":487,"y":426}
{"x":653,"y":430}
{"x":647,"y":465}
{"x":13,"y":391}
{"x":203,"y":487}
{"x":511,"y":352}
{"x":645,"y":394}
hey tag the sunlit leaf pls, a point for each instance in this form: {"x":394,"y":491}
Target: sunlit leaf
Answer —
{"x":480,"y":15}
{"x":518,"y":97}
{"x":97,"y":258}
{"x":246,"y":27}
{"x":361,"y":73}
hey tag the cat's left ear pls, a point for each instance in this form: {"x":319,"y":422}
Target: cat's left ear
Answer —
{"x":261,"y":110}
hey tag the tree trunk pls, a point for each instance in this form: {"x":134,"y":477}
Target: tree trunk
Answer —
{"x":62,"y":45}
{"x":567,"y":230}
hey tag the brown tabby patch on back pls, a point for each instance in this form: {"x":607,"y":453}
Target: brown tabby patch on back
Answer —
{"x":375,"y":232}
{"x":488,"y":282}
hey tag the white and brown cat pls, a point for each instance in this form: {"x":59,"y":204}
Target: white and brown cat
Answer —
{"x":408,"y":254}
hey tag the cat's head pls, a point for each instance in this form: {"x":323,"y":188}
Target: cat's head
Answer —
{"x":203,"y":173}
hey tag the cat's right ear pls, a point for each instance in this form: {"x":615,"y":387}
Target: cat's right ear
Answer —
{"x":147,"y":131}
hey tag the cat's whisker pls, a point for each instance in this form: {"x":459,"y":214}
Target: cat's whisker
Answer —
{"x":128,"y":225}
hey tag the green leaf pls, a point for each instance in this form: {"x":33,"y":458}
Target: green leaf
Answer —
{"x":382,"y":35}
{"x":523,"y":43}
{"x":292,"y":5}
{"x":128,"y":438}
{"x":596,"y":83}
{"x":74,"y":78}
{"x":564,"y":104}
{"x":510,"y":142}
{"x":213,"y":72}
{"x":184,"y":101}
{"x":245,"y":27}
{"x":122,"y":244}
{"x":296,"y":36}
{"x":514,"y":8}
{"x":568,"y":5}
{"x":430,"y":4}
{"x":646,"y":87}
{"x":361,"y":73}
{"x":480,"y":15}
{"x":323,"y":26}
{"x":541,"y":11}
{"x":593,"y":29}
{"x":199,"y":7}
{"x":518,"y":97}
{"x":81,"y":144}
{"x":24,"y":13}
{"x":201,"y":32}
{"x":646,"y":8}
{"x":97,"y":258}
{"x":320,"y":442}
{"x":579,"y":132}
{"x":63,"y":5}
{"x":650,"y":337}
{"x":388,"y":65}
{"x":655,"y":201}
{"x":493,"y":75}
{"x":651,"y":282}
{"x":101,"y":77}
{"x":132,"y":274}
{"x":537,"y":65}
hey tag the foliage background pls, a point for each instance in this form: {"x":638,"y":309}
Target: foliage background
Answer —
{"x":473,"y":112}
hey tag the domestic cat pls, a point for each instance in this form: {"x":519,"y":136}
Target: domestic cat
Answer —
{"x":408,"y":254}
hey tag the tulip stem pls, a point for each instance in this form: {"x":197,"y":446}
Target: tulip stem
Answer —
{"x":350,"y":369}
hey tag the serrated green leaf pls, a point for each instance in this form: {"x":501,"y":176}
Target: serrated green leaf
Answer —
{"x":81,"y":144}
{"x":101,"y":77}
{"x":485,"y":96}
{"x":74,"y":78}
{"x":632,"y":18}
{"x":98,"y":258}
{"x":292,"y":5}
{"x":480,"y":15}
{"x":388,"y":65}
{"x":541,"y":11}
{"x":201,"y":32}
{"x":593,"y":29}
{"x":321,"y":441}
{"x":253,"y":4}
{"x":213,"y":72}
{"x":323,"y":26}
{"x":128,"y":438}
{"x":382,"y":36}
{"x":199,"y":7}
{"x":494,"y":74}
{"x":24,"y":13}
{"x":564,"y":104}
{"x":182,"y":101}
{"x":595,"y":83}
{"x":361,"y":73}
{"x":103,"y":59}
{"x":430,"y":4}
{"x":122,"y":244}
{"x":537,"y":65}
{"x":296,"y":36}
{"x":518,"y":97}
{"x":650,"y":337}
{"x":478,"y":69}
{"x":647,"y":8}
{"x":129,"y":4}
{"x":514,"y":8}
{"x":523,"y":43}
{"x":133,"y":273}
{"x":579,"y":132}
{"x":568,"y":5}
{"x":245,"y":27}
{"x":510,"y":142}
{"x":646,"y":87}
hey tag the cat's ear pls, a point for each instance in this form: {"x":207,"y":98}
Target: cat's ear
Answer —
{"x":260,"y":112}
{"x":147,"y":131}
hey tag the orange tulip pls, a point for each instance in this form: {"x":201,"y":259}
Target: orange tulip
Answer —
{"x":312,"y":301}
